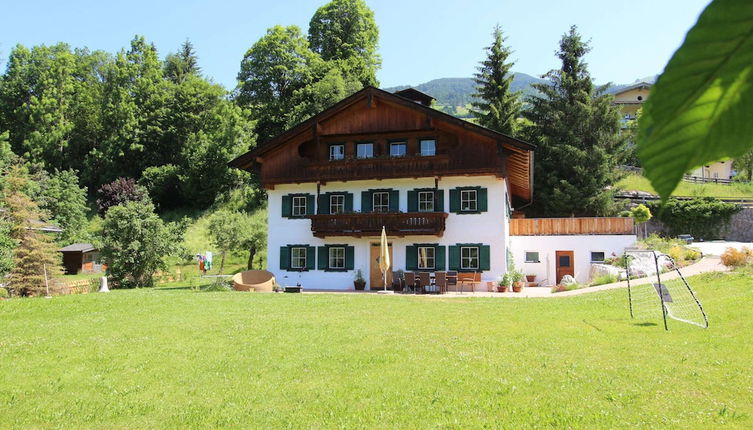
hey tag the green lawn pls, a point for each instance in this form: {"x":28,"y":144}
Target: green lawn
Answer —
{"x":635,"y":182}
{"x":169,"y":357}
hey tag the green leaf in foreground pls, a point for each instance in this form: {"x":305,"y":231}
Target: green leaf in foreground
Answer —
{"x":701,"y":108}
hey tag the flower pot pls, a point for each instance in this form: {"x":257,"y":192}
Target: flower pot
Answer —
{"x":517,"y":286}
{"x":501,"y":288}
{"x":359,"y":285}
{"x":530,"y":278}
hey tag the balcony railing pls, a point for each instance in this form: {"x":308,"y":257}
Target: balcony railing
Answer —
{"x":370,"y":224}
{"x":383,"y":168}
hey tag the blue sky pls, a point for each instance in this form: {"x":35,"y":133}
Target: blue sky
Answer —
{"x":419,"y":39}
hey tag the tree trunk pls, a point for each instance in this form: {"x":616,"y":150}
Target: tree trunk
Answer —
{"x":251,"y":255}
{"x":222,"y":262}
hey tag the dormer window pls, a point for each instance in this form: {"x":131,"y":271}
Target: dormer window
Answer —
{"x":398,"y":149}
{"x":337,"y":152}
{"x":428,"y":147}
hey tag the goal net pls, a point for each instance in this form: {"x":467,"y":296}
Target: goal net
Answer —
{"x":657,"y":290}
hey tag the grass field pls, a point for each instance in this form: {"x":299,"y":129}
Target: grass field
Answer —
{"x":169,"y":357}
{"x":686,"y":189}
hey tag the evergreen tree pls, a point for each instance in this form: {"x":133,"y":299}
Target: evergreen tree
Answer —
{"x":345,"y":32}
{"x":181,"y":65}
{"x":496,"y":107}
{"x":35,"y":256}
{"x":577,"y":130}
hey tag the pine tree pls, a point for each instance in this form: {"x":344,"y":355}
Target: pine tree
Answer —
{"x":35,"y":256}
{"x":577,"y":130}
{"x":496,"y":107}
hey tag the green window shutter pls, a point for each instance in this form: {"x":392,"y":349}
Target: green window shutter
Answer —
{"x":287,"y":206}
{"x":394,"y":200}
{"x":438,"y":200}
{"x":284,"y":258}
{"x":484,"y":263}
{"x":324,"y":204}
{"x":348,"y":202}
{"x":309,"y":204}
{"x":311,"y":258}
{"x":412,"y":201}
{"x":454,"y":259}
{"x":411,"y":257}
{"x":439,"y":257}
{"x":482,"y":204}
{"x":323,"y":258}
{"x":350,"y":256}
{"x":366,"y":201}
{"x":455,"y":200}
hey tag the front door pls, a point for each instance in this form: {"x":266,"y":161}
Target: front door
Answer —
{"x":375,"y":279}
{"x":565,"y":264}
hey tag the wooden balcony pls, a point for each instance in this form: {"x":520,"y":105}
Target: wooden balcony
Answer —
{"x":384,"y":168}
{"x":370,"y":224}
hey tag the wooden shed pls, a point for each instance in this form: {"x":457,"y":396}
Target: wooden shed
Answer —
{"x":81,"y":258}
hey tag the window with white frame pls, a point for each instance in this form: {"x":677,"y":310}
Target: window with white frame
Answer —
{"x":299,"y":206}
{"x":426,"y":257}
{"x":398,"y":149}
{"x":468,"y":200}
{"x":336,"y":204}
{"x":426,"y":201}
{"x":597,"y":256}
{"x":337,"y":152}
{"x":298,"y":258}
{"x":469,"y":258}
{"x":365,"y":150}
{"x":532,"y":257}
{"x":381,"y":201}
{"x":428,"y":147}
{"x":336,"y":257}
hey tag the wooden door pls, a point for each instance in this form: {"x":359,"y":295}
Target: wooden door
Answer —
{"x":376,"y":281}
{"x":565,"y":264}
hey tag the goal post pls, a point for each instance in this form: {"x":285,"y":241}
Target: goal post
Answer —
{"x":657,"y":288}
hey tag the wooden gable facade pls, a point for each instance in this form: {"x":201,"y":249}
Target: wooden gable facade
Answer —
{"x":302,"y":154}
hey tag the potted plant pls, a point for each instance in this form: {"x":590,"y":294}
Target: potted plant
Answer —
{"x":530,"y":278}
{"x":359,"y":283}
{"x":503,"y":283}
{"x":517,"y":281}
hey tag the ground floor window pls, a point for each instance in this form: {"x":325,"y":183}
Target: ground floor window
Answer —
{"x":426,"y":257}
{"x":597,"y":256}
{"x":298,"y":258}
{"x":337,"y":257}
{"x":469,"y":257}
{"x":532,"y":257}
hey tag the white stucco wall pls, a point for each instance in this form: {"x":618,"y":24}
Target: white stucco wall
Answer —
{"x":581,"y":245}
{"x":489,"y":228}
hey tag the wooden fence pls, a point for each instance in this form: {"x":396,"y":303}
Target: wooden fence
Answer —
{"x":570,"y":226}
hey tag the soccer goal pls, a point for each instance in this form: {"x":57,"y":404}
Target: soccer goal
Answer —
{"x":658,"y":290}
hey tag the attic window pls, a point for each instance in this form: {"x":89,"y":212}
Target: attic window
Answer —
{"x":337,"y":152}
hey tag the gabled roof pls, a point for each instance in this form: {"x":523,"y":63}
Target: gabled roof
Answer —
{"x":637,"y":85}
{"x":244,"y":161}
{"x":78,"y":247}
{"x":416,"y":96}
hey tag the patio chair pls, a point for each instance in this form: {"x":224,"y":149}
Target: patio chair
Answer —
{"x":424,"y":282}
{"x":397,"y":283}
{"x":452,"y":279}
{"x":469,"y":278}
{"x":440,"y":280}
{"x":410,"y":281}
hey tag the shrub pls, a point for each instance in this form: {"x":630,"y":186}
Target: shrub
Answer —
{"x":4,"y":293}
{"x":733,"y":257}
{"x":703,"y":217}
{"x":136,"y":243}
{"x":117,"y":192}
{"x":604,"y":279}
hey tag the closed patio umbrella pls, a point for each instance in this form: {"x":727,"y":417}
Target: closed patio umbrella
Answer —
{"x":384,"y":257}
